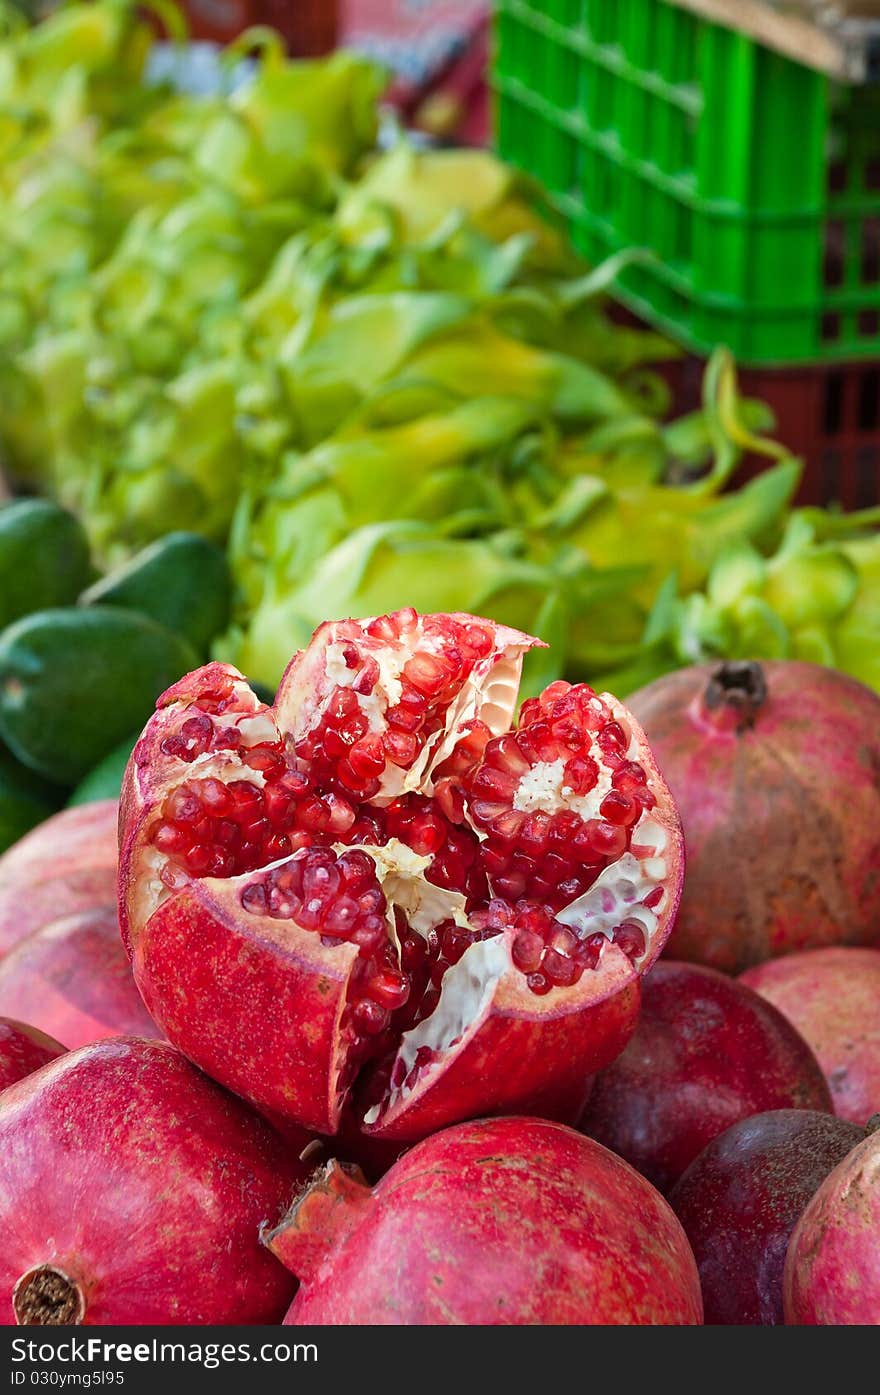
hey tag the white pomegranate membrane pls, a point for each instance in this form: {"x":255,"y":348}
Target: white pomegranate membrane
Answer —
{"x":386,"y":803}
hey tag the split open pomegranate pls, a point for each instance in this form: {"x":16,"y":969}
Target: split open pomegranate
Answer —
{"x":377,"y":895}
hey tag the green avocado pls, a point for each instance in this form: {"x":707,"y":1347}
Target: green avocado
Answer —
{"x":25,"y":799}
{"x":182,"y":581}
{"x":105,"y":781}
{"x":75,"y":682}
{"x":44,"y":558}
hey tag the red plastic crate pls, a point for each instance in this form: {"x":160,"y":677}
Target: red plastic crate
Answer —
{"x":309,"y":26}
{"x":828,"y":415}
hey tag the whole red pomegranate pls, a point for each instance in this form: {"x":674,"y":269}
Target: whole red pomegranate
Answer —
{"x":23,"y":1049}
{"x":832,"y":1268}
{"x":72,"y":978}
{"x":131,"y":1192}
{"x":832,"y":996}
{"x":65,"y":865}
{"x":376,"y":896}
{"x":776,"y":771}
{"x":498,"y":1222}
{"x":740,"y":1199}
{"x":707,"y":1052}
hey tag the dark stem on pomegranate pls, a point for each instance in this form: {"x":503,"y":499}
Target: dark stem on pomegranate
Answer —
{"x":735,"y":694}
{"x":47,"y":1297}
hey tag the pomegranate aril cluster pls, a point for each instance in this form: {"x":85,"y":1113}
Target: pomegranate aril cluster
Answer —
{"x":553,"y":854}
{"x":209,"y":725}
{"x":549,"y":953}
{"x":426,"y":959}
{"x":215,"y":828}
{"x":342,"y":751}
{"x":339,"y":898}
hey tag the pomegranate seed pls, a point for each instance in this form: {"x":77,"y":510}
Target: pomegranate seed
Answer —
{"x":630,"y":937}
{"x":255,"y":899}
{"x":426,"y":835}
{"x":357,"y":870}
{"x":476,"y":641}
{"x":580,"y":774}
{"x":246,"y":797}
{"x":389,"y":989}
{"x":182,"y":805}
{"x":413,"y":952}
{"x":198,"y":733}
{"x":369,"y":933}
{"x":370,"y":1017}
{"x":267,"y":759}
{"x":535,"y":835}
{"x":612,"y":740}
{"x":343,"y":703}
{"x":173,"y":877}
{"x":401,"y":747}
{"x":530,"y":711}
{"x":629,"y":777}
{"x":539,"y":984}
{"x":198,"y":859}
{"x":313,"y":814}
{"x":428,"y":673}
{"x":229,"y":739}
{"x":537,"y":741}
{"x":215,"y":797}
{"x":275,"y":847}
{"x":367,"y":678}
{"x":558,"y":969}
{"x":605,"y":838}
{"x":174,"y":746}
{"x":170,"y":839}
{"x":401,"y":719}
{"x":568,"y":732}
{"x":554,"y":691}
{"x":334,"y":745}
{"x":526,"y":951}
{"x":591,"y":950}
{"x":367,"y":757}
{"x":340,"y":814}
{"x":619,"y":809}
{"x":353,"y":728}
{"x":563,"y":941}
{"x":654,"y":897}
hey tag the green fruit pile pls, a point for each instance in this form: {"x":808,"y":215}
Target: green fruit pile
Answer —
{"x":82,"y":661}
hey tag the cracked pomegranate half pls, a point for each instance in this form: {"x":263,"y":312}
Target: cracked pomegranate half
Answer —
{"x":377,"y":896}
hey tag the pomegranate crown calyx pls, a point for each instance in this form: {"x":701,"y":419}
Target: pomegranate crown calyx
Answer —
{"x":321,"y":1218}
{"x":734,"y":695}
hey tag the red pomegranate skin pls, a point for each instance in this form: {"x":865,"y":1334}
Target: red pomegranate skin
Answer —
{"x":740,"y":1200}
{"x":832,"y":996}
{"x":832,"y":1268}
{"x":65,"y":865}
{"x":72,"y":978}
{"x":23,"y":1049}
{"x":498,"y":1222}
{"x":142,"y":1185}
{"x":707,"y":1052}
{"x":780,"y":803}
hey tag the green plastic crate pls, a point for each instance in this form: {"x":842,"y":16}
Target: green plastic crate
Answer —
{"x":755,"y":181}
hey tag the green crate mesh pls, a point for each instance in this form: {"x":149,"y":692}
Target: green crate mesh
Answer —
{"x":753,"y":180}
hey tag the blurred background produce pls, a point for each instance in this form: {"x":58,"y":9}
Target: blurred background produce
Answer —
{"x":372,"y":373}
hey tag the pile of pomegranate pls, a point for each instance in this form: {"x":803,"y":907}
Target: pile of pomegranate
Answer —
{"x":389,"y":1012}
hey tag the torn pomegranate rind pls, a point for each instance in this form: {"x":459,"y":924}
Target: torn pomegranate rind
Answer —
{"x":455,"y":928}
